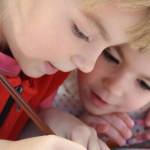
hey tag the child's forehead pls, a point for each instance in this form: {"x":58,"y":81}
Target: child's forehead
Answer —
{"x":113,"y":7}
{"x":110,"y":13}
{"x":139,"y":37}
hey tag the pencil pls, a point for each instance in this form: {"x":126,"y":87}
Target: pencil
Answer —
{"x":25,"y":106}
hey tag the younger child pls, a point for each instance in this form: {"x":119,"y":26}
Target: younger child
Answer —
{"x":119,"y":83}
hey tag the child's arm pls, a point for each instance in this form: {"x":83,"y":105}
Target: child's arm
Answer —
{"x":118,"y":124}
{"x":49,"y":142}
{"x":66,"y":126}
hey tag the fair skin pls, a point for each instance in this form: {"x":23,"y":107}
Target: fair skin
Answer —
{"x":119,"y":83}
{"x":70,"y":124}
{"x":57,"y":32}
{"x":46,"y":35}
{"x":115,"y":125}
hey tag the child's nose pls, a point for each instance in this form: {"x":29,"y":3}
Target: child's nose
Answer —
{"x":84,"y":64}
{"x":117,"y":85}
{"x":113,"y":87}
{"x":86,"y":58}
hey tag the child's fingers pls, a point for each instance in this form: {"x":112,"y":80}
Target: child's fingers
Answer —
{"x":100,"y":135}
{"x":93,"y":142}
{"x":84,"y":137}
{"x":72,"y":128}
{"x":116,"y":136}
{"x":119,"y":125}
{"x":63,"y":144}
{"x":49,"y":142}
{"x":100,"y":128}
{"x":147,"y":119}
{"x":102,"y":145}
{"x":112,"y":131}
{"x":94,"y":121}
{"x":88,"y":138}
{"x":127,"y":120}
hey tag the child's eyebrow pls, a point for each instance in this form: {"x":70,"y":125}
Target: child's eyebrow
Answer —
{"x":97,"y":24}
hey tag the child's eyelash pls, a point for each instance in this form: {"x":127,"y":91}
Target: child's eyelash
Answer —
{"x":79,"y":34}
{"x":143,"y":85}
{"x":109,"y":57}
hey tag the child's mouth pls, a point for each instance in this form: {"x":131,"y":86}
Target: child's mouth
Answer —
{"x":50,"y":69}
{"x":98,"y":101}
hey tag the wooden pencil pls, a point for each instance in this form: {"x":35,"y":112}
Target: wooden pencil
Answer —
{"x":25,"y":106}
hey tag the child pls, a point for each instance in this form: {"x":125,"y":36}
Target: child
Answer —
{"x":38,"y":38}
{"x":119,"y":83}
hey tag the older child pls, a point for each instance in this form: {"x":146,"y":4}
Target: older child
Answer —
{"x":119,"y":83}
{"x":40,"y":37}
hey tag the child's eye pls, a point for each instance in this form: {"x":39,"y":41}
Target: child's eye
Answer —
{"x":109,"y":57}
{"x":79,"y":34}
{"x":143,"y":85}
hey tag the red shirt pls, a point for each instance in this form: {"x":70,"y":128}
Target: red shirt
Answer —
{"x":34,"y":91}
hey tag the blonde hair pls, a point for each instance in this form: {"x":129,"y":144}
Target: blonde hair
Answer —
{"x":140,"y":34}
{"x":134,"y":3}
{"x":4,"y":13}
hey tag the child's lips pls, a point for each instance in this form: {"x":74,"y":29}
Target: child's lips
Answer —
{"x":50,"y":69}
{"x":98,"y":101}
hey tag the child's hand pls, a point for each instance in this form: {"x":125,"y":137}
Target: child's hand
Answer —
{"x":69,"y":127}
{"x":147,"y":123}
{"x":50,"y":142}
{"x":116,"y":125}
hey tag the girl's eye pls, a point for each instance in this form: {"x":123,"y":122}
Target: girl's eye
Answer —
{"x":143,"y":85}
{"x":109,"y":57}
{"x":79,"y":34}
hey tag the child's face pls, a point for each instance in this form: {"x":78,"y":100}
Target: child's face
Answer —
{"x":47,"y":33}
{"x":120,"y":81}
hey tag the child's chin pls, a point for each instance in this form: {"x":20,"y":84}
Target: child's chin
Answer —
{"x":33,"y":74}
